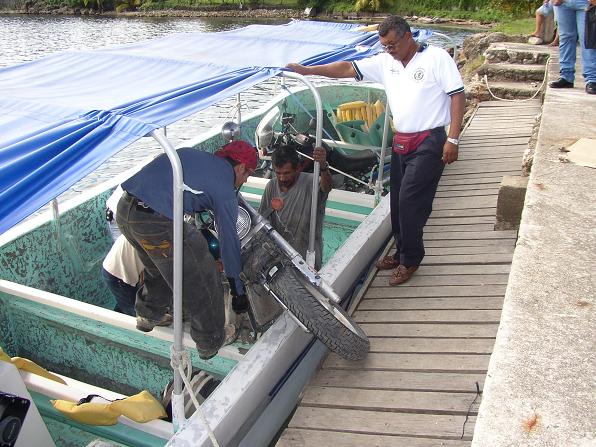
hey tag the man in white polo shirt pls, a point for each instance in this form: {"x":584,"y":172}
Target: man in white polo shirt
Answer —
{"x":426,"y":93}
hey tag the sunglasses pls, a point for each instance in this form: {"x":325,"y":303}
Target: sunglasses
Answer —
{"x":392,"y":46}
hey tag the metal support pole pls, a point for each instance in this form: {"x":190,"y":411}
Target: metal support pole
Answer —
{"x":55,"y":210}
{"x":178,"y":189}
{"x":379,"y":185}
{"x":239,"y":106}
{"x":56,"y":221}
{"x":310,"y":253}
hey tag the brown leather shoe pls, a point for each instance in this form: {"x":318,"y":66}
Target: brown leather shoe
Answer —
{"x":387,"y":263}
{"x":402,"y":274}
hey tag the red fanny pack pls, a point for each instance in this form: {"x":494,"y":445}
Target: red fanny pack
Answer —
{"x":404,"y":143}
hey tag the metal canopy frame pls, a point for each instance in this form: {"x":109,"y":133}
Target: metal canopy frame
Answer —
{"x":178,"y":212}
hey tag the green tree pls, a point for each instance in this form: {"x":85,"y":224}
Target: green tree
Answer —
{"x":517,"y":7}
{"x":373,"y":5}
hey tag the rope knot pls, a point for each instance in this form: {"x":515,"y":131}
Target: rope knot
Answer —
{"x":179,"y":359}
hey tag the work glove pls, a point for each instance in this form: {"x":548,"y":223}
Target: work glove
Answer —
{"x":239,"y":300}
{"x":240,"y":303}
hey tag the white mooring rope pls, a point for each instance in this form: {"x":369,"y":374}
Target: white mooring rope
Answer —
{"x":180,"y":360}
{"x":519,"y":100}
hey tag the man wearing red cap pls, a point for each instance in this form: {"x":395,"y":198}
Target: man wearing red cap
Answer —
{"x":145,"y":218}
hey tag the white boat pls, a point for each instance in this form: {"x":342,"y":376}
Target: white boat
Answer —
{"x":54,"y":308}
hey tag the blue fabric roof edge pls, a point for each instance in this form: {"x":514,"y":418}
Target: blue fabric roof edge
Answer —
{"x":65,"y":114}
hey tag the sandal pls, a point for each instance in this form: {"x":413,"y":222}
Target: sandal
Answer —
{"x":533,"y":40}
{"x":402,"y":274}
{"x":387,"y":263}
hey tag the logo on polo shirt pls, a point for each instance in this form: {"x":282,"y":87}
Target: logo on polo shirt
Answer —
{"x":419,"y":75}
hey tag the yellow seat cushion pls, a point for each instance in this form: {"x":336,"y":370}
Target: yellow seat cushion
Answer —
{"x":141,"y":407}
{"x":29,"y":366}
{"x":89,"y":413}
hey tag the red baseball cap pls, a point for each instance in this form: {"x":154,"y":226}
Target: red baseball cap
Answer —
{"x":240,"y":151}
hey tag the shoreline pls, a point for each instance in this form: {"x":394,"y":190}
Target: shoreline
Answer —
{"x":258,"y":13}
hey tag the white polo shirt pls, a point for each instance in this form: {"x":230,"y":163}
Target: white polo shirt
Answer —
{"x":419,"y":94}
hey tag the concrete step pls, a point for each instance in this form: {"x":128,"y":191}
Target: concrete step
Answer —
{"x":517,"y":53}
{"x":504,"y":71}
{"x":514,"y":90}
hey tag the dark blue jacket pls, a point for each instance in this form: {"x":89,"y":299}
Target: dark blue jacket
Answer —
{"x":213,"y":180}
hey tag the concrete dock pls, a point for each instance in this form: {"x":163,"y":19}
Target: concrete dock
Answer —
{"x":433,"y":376}
{"x":540,"y":388}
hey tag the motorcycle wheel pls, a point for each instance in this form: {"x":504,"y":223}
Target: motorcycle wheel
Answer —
{"x":323,"y":318}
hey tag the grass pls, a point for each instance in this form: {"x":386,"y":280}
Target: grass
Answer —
{"x":474,"y":64}
{"x":501,"y":21}
{"x":516,"y":26}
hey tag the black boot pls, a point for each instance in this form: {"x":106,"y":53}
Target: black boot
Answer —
{"x":561,"y":83}
{"x":591,"y":88}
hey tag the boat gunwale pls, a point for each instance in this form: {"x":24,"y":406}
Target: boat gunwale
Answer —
{"x":98,"y":313}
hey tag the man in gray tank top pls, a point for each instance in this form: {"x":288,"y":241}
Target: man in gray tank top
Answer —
{"x":287,"y":200}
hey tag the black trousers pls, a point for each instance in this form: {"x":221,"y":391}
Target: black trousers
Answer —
{"x":414,"y":179}
{"x":202,"y":291}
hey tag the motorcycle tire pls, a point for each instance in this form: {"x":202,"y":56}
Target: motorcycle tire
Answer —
{"x":323,"y":318}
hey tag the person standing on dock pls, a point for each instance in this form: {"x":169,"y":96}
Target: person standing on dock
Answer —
{"x":571,"y":19}
{"x":426,"y":93}
{"x":145,"y":218}
{"x":545,"y":30}
{"x":287,"y":199}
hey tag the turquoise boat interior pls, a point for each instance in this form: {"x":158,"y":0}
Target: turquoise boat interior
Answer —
{"x":56,"y":311}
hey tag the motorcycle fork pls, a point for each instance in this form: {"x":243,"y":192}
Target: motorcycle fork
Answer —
{"x":253,"y":324}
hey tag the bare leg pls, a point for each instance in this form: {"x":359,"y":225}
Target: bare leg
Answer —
{"x":539,"y":23}
{"x":555,"y":42}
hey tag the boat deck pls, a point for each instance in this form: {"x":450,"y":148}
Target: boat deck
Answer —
{"x":431,"y":338}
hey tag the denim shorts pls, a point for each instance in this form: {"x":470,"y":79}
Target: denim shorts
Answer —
{"x":545,"y":10}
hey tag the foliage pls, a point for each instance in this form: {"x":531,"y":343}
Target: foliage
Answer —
{"x":517,"y":8}
{"x":489,"y":10}
{"x":463,"y":9}
{"x":151,"y":5}
{"x":480,"y":10}
{"x":374,"y":5}
{"x":473,"y":65}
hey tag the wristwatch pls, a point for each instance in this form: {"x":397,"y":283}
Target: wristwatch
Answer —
{"x":453,"y":141}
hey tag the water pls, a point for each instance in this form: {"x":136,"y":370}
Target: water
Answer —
{"x":24,"y":38}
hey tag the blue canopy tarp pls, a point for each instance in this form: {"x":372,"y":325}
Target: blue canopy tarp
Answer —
{"x":64,"y":115}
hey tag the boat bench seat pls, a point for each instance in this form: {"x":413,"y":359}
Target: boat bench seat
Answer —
{"x":356,"y":132}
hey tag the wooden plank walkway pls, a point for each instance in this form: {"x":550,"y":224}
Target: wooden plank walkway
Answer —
{"x":431,"y":338}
